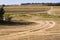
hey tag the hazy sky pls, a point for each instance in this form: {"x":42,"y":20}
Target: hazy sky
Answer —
{"x":9,"y":2}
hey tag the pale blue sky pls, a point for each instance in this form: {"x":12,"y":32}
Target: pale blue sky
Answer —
{"x":9,"y":2}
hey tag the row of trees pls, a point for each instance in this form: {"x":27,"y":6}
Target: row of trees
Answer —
{"x":49,"y":4}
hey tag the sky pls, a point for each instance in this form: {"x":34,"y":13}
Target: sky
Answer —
{"x":11,"y":2}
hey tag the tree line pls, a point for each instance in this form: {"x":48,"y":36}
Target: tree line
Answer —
{"x":48,"y":4}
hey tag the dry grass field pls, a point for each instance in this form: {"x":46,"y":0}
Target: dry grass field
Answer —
{"x":31,"y":23}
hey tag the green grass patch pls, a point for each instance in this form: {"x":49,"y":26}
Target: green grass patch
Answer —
{"x":30,"y":15}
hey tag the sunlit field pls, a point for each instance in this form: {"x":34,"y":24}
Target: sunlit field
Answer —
{"x":35,"y":23}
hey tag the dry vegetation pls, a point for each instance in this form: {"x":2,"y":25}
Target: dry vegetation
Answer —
{"x":24,"y":32}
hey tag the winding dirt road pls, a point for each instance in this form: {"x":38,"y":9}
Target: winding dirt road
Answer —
{"x":41,"y":25}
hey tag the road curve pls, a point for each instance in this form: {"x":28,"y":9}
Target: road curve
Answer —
{"x":42,"y":25}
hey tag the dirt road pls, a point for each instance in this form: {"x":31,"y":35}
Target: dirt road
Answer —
{"x":30,"y":30}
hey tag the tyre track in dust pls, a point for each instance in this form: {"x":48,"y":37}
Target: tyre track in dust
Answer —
{"x":47,"y":25}
{"x":39,"y":27}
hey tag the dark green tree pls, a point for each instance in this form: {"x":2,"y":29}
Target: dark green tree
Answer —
{"x":2,"y":11}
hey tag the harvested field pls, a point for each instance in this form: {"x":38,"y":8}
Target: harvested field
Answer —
{"x":31,"y":25}
{"x":27,"y":8}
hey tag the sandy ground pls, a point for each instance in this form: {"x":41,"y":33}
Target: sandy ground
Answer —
{"x":43,"y":30}
{"x":17,"y":33}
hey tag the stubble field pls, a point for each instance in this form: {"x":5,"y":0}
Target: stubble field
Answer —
{"x":31,"y":23}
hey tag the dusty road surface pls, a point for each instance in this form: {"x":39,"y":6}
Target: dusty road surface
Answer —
{"x":22,"y":33}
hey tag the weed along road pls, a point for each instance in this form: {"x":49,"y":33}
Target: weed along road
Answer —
{"x":41,"y":26}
